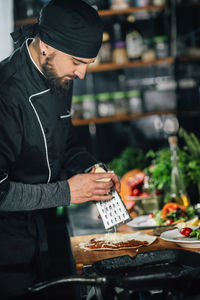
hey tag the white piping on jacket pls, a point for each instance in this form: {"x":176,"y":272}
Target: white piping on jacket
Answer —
{"x":66,"y":116}
{"x":31,"y":56}
{"x":44,"y":137}
{"x":4,"y":178}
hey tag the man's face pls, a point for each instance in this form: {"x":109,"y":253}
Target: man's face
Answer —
{"x":61,"y":68}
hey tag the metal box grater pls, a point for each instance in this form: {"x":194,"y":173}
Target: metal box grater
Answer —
{"x":113,"y":212}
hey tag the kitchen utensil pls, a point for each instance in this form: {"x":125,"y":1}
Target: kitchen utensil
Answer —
{"x":113,"y":212}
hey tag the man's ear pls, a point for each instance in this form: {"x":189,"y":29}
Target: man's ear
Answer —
{"x":45,"y":49}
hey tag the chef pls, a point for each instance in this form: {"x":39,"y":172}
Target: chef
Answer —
{"x":42,"y":164}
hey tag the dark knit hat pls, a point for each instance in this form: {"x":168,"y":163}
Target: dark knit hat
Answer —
{"x":71,"y":26}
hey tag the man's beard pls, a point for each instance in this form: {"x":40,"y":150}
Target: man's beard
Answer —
{"x":57,"y":85}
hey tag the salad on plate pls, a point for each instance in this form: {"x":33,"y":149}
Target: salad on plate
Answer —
{"x":187,"y":237}
{"x":172,"y":214}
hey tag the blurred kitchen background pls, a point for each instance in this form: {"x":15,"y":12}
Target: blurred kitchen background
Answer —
{"x":144,"y":84}
{"x":145,"y":81}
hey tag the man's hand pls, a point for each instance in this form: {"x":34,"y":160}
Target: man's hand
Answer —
{"x":85,"y":187}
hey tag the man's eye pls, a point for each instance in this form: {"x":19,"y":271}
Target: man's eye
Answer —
{"x":76,"y":63}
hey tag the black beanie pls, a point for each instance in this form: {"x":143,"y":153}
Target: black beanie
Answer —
{"x":71,"y":26}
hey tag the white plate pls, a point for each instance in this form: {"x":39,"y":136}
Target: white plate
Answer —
{"x":143,"y":222}
{"x":175,"y":237}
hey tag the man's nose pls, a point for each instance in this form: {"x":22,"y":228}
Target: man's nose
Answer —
{"x":81,"y":71}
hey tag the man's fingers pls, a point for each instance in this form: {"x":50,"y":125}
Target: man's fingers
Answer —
{"x":103,"y":192}
{"x":116,"y":182}
{"x":102,"y":198}
{"x":102,"y":175}
{"x":103,"y":185}
{"x":114,"y":179}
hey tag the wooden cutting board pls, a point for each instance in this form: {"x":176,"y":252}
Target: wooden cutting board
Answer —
{"x":84,"y":257}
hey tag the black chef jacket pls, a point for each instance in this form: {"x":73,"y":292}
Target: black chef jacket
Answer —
{"x":38,"y":153}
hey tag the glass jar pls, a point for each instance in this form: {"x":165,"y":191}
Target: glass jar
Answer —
{"x":120,"y":101}
{"x":119,"y":4}
{"x":140,"y":3}
{"x":148,"y":50}
{"x":89,"y":106}
{"x":159,"y":2}
{"x":134,"y":101}
{"x":119,"y":54}
{"x":77,"y":107}
{"x":106,"y":106}
{"x":161,"y":46}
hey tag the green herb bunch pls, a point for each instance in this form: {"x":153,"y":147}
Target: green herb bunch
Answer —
{"x":189,"y":164}
{"x":160,"y":171}
{"x":130,"y":158}
{"x":192,"y":152}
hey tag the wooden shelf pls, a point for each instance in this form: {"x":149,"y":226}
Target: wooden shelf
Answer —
{"x":191,"y":4}
{"x":188,"y":58}
{"x":81,"y":122}
{"x":111,"y":12}
{"x":105,"y":13}
{"x":137,"y":63}
{"x":25,"y":21}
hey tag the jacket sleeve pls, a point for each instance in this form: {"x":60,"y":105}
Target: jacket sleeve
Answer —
{"x":16,"y":196}
{"x":77,"y":159}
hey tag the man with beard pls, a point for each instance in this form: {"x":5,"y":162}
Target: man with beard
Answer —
{"x":42,"y":165}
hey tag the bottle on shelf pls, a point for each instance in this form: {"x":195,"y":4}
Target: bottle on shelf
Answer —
{"x":120,"y":102}
{"x":148,"y":50}
{"x":119,"y":53}
{"x":89,"y":106}
{"x":141,"y":3}
{"x":161,"y":46}
{"x":178,"y":192}
{"x":105,"y":52}
{"x":134,"y":40}
{"x":119,"y":4}
{"x":158,"y":2}
{"x":77,"y":107}
{"x":134,"y":101}
{"x":106,"y":106}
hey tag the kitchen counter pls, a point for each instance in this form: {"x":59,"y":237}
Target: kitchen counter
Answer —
{"x":83,"y":257}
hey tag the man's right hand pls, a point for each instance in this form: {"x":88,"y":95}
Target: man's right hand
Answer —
{"x":85,"y":187}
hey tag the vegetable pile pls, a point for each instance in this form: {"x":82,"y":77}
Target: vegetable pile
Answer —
{"x":173,"y":213}
{"x":130,"y":158}
{"x":189,"y":164}
{"x":189,"y":232}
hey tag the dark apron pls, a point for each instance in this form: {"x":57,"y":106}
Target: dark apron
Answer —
{"x":34,"y":246}
{"x":22,"y":240}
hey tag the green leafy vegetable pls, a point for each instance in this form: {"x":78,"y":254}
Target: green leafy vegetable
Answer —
{"x":130,"y":158}
{"x":174,"y":215}
{"x":189,"y":164}
{"x":192,"y":152}
{"x":195,"y":233}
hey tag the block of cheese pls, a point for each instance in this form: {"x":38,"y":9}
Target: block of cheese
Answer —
{"x":99,"y":169}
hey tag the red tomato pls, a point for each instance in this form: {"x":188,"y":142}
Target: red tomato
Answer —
{"x":169,"y":222}
{"x":151,"y":215}
{"x":135,"y":192}
{"x":186,"y":231}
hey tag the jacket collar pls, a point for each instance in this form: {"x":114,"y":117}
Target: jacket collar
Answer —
{"x":34,"y":75}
